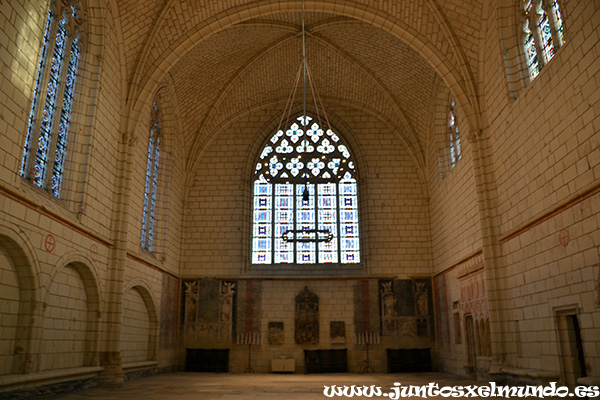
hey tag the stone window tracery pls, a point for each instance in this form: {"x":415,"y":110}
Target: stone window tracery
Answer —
{"x":302,"y":158}
{"x":151,"y":182}
{"x":543,"y":33}
{"x":454,"y":144}
{"x":44,"y":151}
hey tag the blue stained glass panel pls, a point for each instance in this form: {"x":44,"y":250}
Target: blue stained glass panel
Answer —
{"x":327,"y":218}
{"x":349,"y":239}
{"x":36,"y":95}
{"x":531,"y":52}
{"x":559,"y":22}
{"x":261,"y":225}
{"x":286,"y":209}
{"x":45,"y":136}
{"x":284,"y":220}
{"x":546,"y":35}
{"x":305,"y":219}
{"x":65,"y":118}
{"x":154,"y":193}
{"x":147,"y":188}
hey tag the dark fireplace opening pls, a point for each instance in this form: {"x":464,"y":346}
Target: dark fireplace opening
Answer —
{"x":409,"y":360}
{"x":207,"y":360}
{"x":325,"y":361}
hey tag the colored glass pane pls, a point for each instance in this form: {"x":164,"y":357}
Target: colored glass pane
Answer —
{"x":65,"y":118}
{"x":546,"y":35}
{"x":559,"y":22}
{"x":327,"y":219}
{"x":284,"y":220}
{"x":279,"y":207}
{"x":154,"y":193}
{"x":262,"y":222}
{"x":36,"y":96}
{"x":305,"y":219}
{"x":457,"y":141}
{"x":531,"y":52}
{"x":349,"y":239}
{"x":151,"y":183}
{"x":147,"y":188}
{"x":48,"y":112}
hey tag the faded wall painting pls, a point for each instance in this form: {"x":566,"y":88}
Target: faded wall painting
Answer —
{"x":366,"y":309}
{"x":248,"y":314}
{"x":307,"y":317}
{"x":208,"y":308}
{"x":337,"y":331}
{"x":406,"y":308}
{"x":275,"y":333}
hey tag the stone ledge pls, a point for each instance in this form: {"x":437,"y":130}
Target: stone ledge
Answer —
{"x":12,"y":382}
{"x":138,"y":365}
{"x":534,"y":375}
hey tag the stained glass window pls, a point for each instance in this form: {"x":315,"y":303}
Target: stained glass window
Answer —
{"x":559,"y":23}
{"x":543,"y":33}
{"x":531,"y":52}
{"x":45,"y":144}
{"x":546,"y":35}
{"x":305,"y":191}
{"x":151,"y":183}
{"x":455,"y":149}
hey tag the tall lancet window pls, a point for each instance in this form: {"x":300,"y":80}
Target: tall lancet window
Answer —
{"x":305,"y":203}
{"x":454,"y":145}
{"x":151,"y":185}
{"x":44,"y":151}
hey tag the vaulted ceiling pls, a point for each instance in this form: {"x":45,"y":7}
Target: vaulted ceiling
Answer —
{"x":223,"y":57}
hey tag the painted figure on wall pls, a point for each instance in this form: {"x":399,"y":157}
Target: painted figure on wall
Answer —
{"x":191,"y":300}
{"x":307,"y":317}
{"x":337,"y":331}
{"x":275,"y":333}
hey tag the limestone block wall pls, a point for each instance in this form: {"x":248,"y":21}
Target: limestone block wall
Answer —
{"x":65,"y":328}
{"x":544,"y":151}
{"x":135,"y":328}
{"x":454,"y":216}
{"x":554,"y":269}
{"x":393,"y":210}
{"x":10,"y":297}
{"x":58,"y":254}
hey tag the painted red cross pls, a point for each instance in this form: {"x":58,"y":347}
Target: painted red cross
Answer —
{"x":49,"y":243}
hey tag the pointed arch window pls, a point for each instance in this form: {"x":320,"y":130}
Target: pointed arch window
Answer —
{"x":305,"y":182}
{"x":454,"y":145}
{"x":543,"y":33}
{"x":44,"y":151}
{"x":151,"y":183}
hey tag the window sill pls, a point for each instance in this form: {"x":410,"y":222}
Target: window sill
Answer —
{"x":307,"y":270}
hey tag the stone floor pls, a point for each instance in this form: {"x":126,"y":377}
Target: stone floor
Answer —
{"x":207,"y":386}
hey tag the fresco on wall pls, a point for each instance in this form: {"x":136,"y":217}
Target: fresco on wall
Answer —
{"x":337,"y":332}
{"x":406,"y":307}
{"x":208,"y":308}
{"x":473,"y":301}
{"x":168,"y":312}
{"x":275,"y":333}
{"x":307,"y":317}
{"x":366,"y":306}
{"x":249,"y":311}
{"x":423,"y":309}
{"x":443,"y":304}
